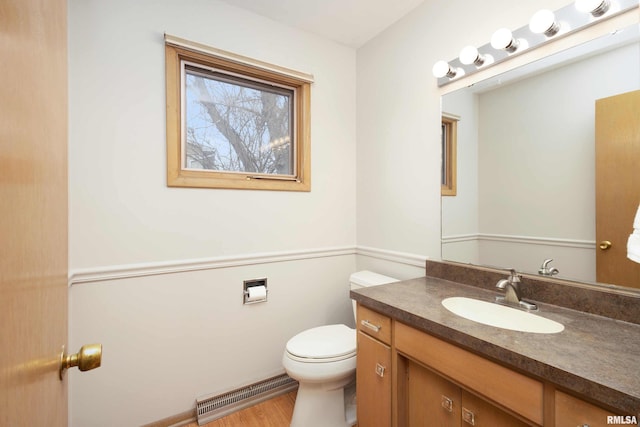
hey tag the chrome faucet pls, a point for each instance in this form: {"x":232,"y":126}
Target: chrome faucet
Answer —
{"x":545,"y":270}
{"x":511,"y":286}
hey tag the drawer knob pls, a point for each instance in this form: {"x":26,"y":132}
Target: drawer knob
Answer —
{"x":380,"y":370}
{"x":447,"y":403}
{"x":468,"y":417}
{"x":367,"y":324}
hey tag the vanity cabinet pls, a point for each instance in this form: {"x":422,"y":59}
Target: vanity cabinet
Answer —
{"x":406,"y":378}
{"x":373,"y":372}
{"x":434,"y":400}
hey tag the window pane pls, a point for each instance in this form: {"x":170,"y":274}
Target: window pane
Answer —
{"x":237,"y":125}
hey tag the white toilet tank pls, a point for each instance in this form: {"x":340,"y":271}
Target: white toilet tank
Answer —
{"x":365,"y":278}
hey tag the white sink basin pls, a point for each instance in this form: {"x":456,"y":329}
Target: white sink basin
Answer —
{"x":501,"y":316}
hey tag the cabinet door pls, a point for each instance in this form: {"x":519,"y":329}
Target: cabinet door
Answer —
{"x":373,"y":382}
{"x":480,"y":413}
{"x":432,"y":400}
{"x":571,"y":411}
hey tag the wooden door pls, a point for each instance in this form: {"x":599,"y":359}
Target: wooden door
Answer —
{"x":432,"y":400}
{"x":617,"y":186}
{"x":33,"y":211}
{"x":480,"y":413}
{"x":571,"y":411}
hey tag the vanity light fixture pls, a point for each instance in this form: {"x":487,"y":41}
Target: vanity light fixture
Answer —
{"x":443,"y":69}
{"x":470,"y":55}
{"x":545,"y":26}
{"x":595,"y":7}
{"x":503,"y":40}
{"x":544,"y":22}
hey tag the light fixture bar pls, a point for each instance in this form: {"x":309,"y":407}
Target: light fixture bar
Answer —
{"x":567,"y":20}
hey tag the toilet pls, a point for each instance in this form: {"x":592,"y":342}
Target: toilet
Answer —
{"x":323,"y":361}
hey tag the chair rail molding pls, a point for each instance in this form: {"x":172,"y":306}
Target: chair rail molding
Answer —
{"x":126,"y":271}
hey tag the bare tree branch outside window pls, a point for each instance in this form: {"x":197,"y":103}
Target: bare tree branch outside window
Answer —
{"x":237,"y":125}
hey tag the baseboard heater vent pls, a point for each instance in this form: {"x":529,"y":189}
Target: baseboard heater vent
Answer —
{"x":211,"y":408}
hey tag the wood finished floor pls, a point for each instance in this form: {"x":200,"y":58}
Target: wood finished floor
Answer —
{"x":274,"y":412}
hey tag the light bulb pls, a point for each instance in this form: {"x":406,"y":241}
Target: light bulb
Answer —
{"x":594,"y":7}
{"x":443,"y":69}
{"x":503,"y":40}
{"x":544,"y":22}
{"x":470,"y":55}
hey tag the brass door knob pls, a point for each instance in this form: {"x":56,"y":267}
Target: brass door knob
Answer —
{"x":604,"y":245}
{"x":89,"y":357}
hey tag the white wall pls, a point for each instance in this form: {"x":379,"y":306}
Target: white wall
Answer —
{"x":174,"y":335}
{"x":542,"y":153}
{"x":121,"y":210}
{"x":170,"y":338}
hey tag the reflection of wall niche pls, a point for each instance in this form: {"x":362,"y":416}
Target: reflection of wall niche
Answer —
{"x":526,"y":182}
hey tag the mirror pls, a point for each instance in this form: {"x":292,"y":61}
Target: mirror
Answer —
{"x":526,"y":160}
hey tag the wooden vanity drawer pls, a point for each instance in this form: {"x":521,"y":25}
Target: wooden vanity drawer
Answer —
{"x":512,"y":390}
{"x":374,"y":324}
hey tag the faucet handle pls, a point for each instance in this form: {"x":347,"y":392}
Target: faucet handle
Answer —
{"x":545,"y":270}
{"x":514,"y":277}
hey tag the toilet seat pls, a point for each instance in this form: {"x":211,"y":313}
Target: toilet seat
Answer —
{"x":323,"y":344}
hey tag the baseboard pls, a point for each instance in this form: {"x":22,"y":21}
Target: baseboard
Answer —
{"x":178,"y":420}
{"x":191,"y":416}
{"x":213,"y":407}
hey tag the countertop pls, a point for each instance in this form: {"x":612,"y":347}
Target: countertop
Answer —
{"x":595,"y":357}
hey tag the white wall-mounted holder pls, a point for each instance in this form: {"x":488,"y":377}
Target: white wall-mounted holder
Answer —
{"x":544,"y":27}
{"x":254,"y":291}
{"x":633,"y":244}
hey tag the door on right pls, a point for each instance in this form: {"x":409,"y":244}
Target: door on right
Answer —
{"x":617,"y":186}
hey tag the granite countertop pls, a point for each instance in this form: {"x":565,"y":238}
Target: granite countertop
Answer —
{"x":596,"y":357}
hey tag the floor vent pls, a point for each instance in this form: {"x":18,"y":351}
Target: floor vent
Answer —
{"x":211,"y":408}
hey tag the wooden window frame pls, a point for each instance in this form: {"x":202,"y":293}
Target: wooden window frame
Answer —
{"x":449,"y":155}
{"x":179,"y":176}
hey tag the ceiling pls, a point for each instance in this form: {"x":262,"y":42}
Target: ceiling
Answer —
{"x":349,"y":22}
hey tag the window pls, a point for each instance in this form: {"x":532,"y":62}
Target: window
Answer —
{"x":449,"y":147}
{"x":233,"y":122}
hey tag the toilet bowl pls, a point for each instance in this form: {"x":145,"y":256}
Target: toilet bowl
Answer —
{"x":323,"y":361}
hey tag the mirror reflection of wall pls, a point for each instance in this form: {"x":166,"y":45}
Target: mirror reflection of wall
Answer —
{"x":526,"y":165}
